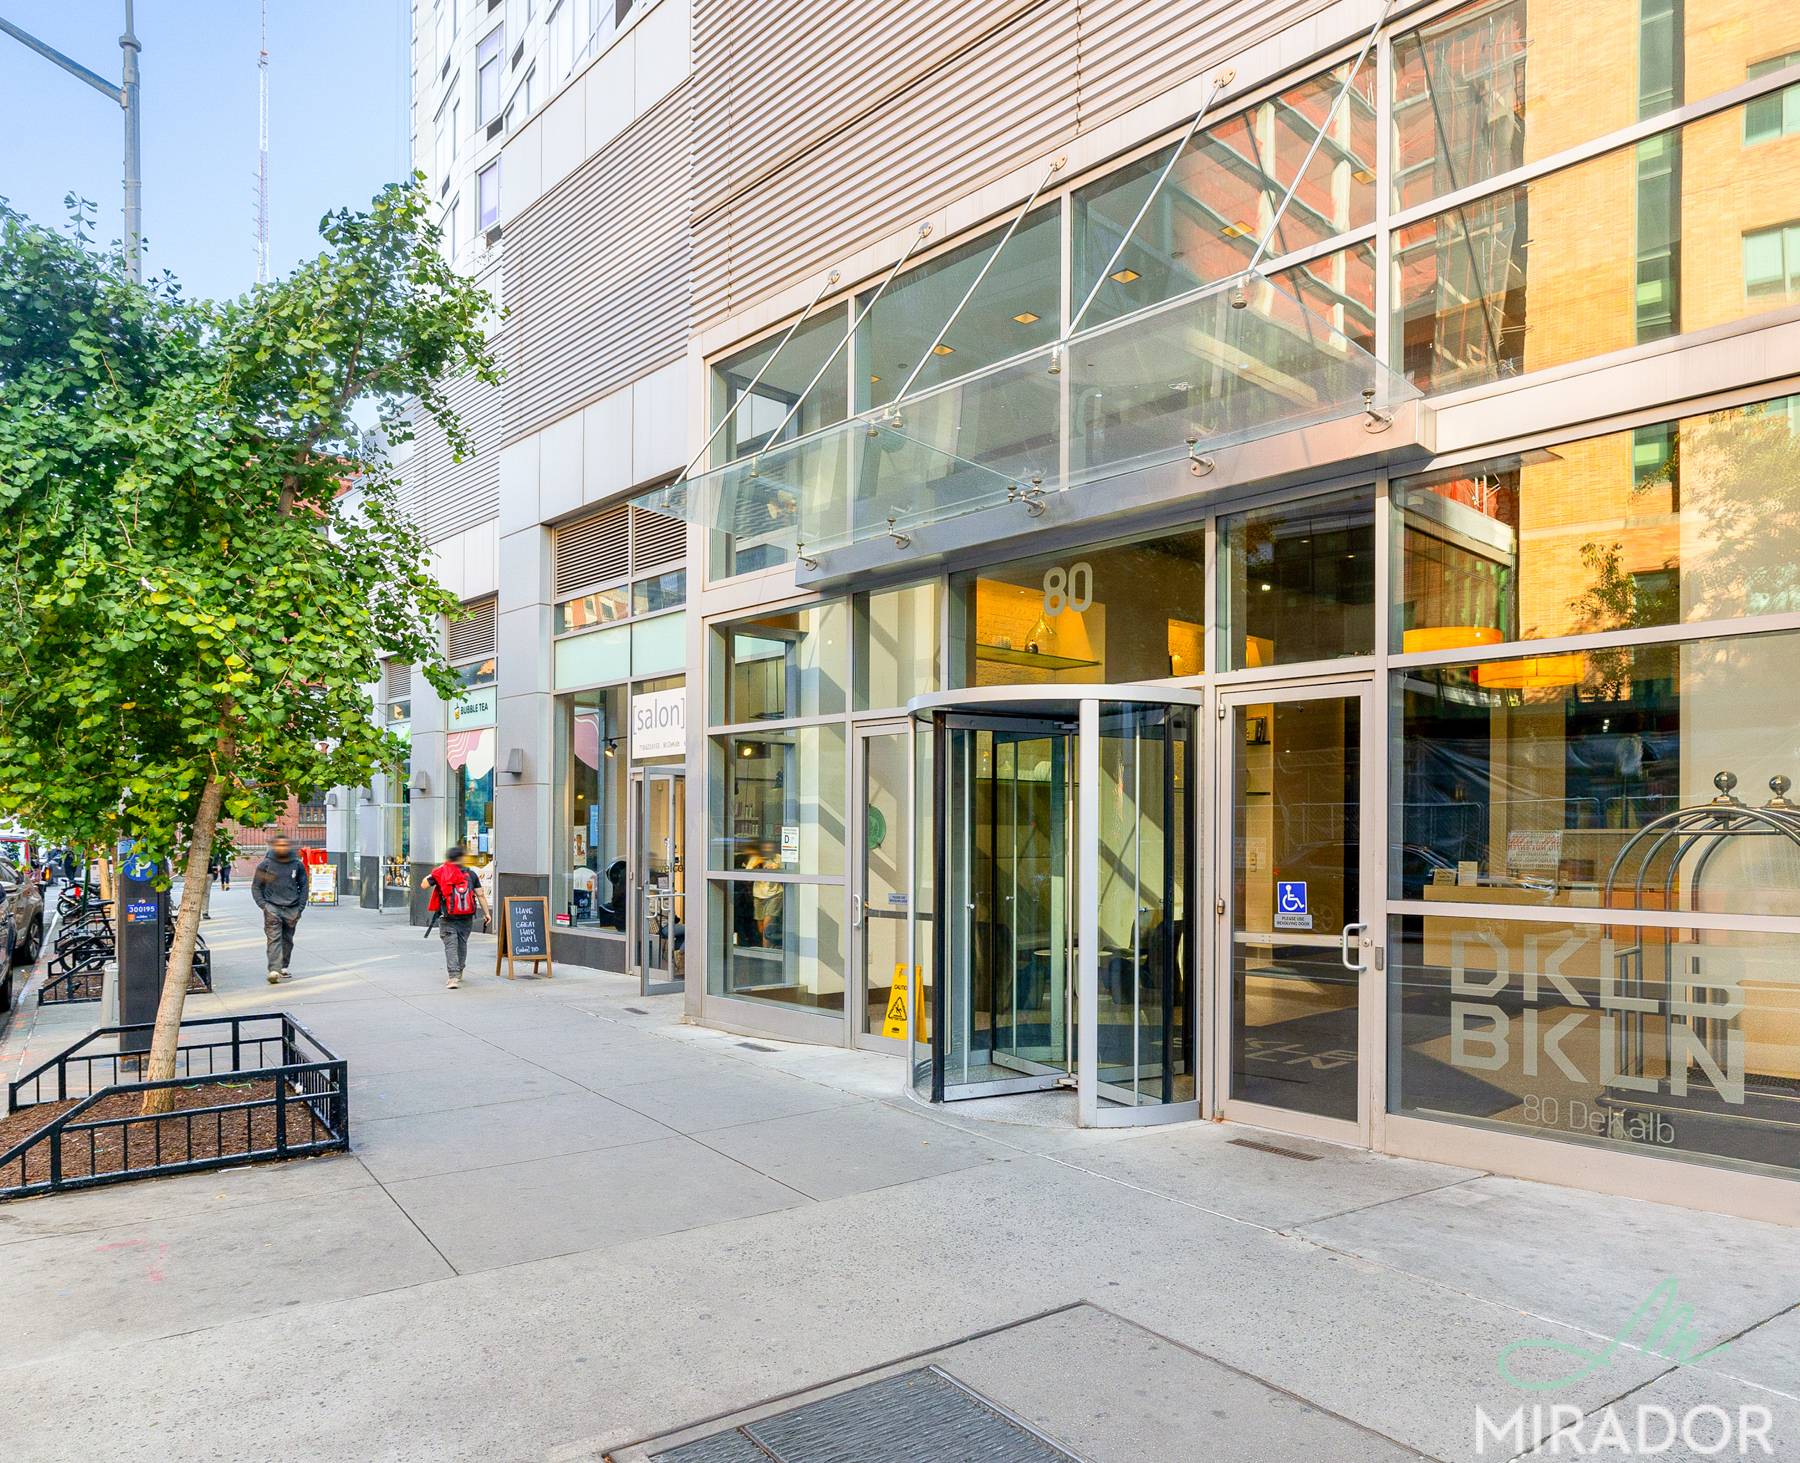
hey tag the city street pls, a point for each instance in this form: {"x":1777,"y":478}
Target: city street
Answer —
{"x":572,"y":1226}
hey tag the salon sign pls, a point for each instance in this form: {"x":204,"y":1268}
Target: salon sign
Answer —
{"x":659,"y":724}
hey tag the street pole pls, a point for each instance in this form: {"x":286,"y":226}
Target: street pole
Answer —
{"x":126,"y":95}
{"x":134,"y":178}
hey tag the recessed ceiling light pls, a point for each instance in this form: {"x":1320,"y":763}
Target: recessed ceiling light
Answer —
{"x":1235,"y":231}
{"x":1124,"y":276}
{"x":1026,"y":317}
{"x":1364,"y":175}
{"x":1267,"y":588}
{"x":873,"y":380}
{"x":943,"y":350}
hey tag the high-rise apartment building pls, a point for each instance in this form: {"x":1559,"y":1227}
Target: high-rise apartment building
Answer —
{"x":1189,"y":558}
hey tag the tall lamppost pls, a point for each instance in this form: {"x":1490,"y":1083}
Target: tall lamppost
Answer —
{"x":126,"y":95}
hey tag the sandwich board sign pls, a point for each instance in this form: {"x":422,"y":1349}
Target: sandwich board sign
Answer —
{"x":524,"y":933}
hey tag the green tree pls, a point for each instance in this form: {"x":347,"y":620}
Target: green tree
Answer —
{"x":197,"y":601}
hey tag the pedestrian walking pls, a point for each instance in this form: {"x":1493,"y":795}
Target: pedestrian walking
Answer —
{"x":278,"y":889}
{"x":222,"y":866}
{"x":455,"y":892}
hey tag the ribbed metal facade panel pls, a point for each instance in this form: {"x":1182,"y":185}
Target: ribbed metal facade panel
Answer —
{"x":773,"y":77}
{"x":597,"y":272}
{"x":783,"y":191}
{"x":1134,"y":49}
{"x":1002,"y":103}
{"x":444,"y":496}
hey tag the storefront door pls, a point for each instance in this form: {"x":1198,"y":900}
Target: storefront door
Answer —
{"x":881,"y":884}
{"x":1300,"y":948}
{"x":659,"y":875}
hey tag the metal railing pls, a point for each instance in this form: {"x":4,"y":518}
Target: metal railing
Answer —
{"x":306,"y":1110}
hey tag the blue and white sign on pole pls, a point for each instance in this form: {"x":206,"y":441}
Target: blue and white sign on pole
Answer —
{"x":1291,"y":912}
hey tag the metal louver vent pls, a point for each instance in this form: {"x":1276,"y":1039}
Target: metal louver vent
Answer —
{"x":593,"y":552}
{"x":657,"y":541}
{"x":396,"y":679}
{"x":472,"y":636}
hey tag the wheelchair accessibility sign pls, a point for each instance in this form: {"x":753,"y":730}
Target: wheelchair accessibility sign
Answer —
{"x":1291,"y":912}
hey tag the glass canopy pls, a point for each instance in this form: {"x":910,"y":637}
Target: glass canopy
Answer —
{"x":1235,"y":362}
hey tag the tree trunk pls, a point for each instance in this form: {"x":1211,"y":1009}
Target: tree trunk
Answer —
{"x":167,"y":1036}
{"x":103,"y":872}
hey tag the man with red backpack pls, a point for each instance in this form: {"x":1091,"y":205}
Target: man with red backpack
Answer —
{"x":455,"y":892}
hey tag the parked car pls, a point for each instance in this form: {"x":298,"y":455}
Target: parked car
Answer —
{"x":21,"y":925}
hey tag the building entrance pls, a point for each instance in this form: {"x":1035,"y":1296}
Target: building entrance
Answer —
{"x":1054,"y":860}
{"x":659,"y":908}
{"x":1299,"y":908}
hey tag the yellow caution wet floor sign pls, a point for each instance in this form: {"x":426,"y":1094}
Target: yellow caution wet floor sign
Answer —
{"x":894,"y":1023}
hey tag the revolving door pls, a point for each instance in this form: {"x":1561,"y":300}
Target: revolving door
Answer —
{"x":1052,"y":933}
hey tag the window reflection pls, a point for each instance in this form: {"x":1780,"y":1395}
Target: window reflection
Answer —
{"x":1300,"y":581}
{"x":1015,"y":308}
{"x":1634,"y":245}
{"x":590,"y":853}
{"x":789,"y":663}
{"x":1205,"y":222}
{"x":1629,"y":1037}
{"x":1524,"y":780}
{"x":1490,"y":87}
{"x":778,"y":801}
{"x":1660,"y":525}
{"x":778,"y":941}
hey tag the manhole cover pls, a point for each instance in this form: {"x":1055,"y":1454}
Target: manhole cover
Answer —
{"x":920,"y":1416}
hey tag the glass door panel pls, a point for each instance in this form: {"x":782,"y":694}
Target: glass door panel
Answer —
{"x":1297,"y":925}
{"x":662,"y":880}
{"x":1143,"y":1000}
{"x":1009,"y":895}
{"x":881,"y":896}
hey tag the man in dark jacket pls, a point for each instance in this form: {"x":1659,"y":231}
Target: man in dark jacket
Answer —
{"x":279,"y":889}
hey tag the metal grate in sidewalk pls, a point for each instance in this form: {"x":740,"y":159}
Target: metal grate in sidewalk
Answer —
{"x":921,"y":1416}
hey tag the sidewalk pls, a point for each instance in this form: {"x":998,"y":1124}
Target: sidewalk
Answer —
{"x":572,"y":1224}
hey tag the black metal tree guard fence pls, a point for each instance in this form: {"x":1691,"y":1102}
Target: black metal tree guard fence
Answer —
{"x":306,"y":1111}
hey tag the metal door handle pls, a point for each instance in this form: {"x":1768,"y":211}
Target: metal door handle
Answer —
{"x":856,"y":911}
{"x":1344,"y":946}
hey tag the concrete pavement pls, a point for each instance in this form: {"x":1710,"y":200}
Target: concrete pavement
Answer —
{"x":573,"y":1226}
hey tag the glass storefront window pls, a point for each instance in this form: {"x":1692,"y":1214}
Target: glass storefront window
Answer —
{"x":480,"y":673}
{"x":1205,"y":223}
{"x":1016,"y":308}
{"x":777,"y":801}
{"x":1299,"y":581}
{"x":1660,"y":525}
{"x":601,"y":607}
{"x":471,"y":758}
{"x":396,"y":838}
{"x":777,"y":941}
{"x":896,"y":645}
{"x":787,"y":663}
{"x":1488,"y":88}
{"x":1524,"y":780}
{"x":594,"y":749}
{"x":1677,"y":1043}
{"x":659,"y":592}
{"x":1129,"y":612}
{"x":1635,"y":245}
{"x":765,"y":537}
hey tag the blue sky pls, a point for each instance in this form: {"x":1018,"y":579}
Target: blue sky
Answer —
{"x":337,"y":131}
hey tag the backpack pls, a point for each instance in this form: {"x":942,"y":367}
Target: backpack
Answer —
{"x":457,"y":900}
